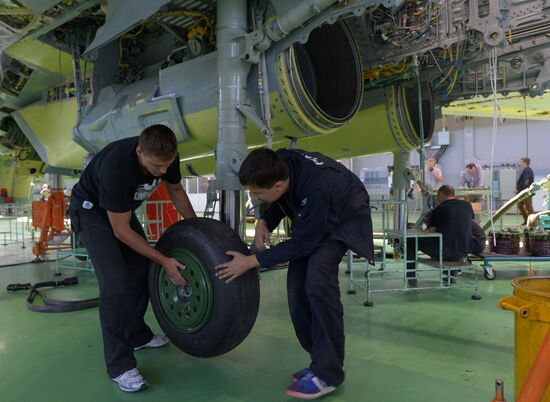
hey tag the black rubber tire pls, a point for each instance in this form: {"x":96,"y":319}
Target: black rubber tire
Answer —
{"x":488,"y":276}
{"x":235,"y":304}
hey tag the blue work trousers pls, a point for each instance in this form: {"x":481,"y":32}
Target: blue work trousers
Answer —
{"x":316,"y":311}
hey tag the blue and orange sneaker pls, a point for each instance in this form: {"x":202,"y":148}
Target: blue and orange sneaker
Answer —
{"x":309,"y":387}
{"x":297,"y":376}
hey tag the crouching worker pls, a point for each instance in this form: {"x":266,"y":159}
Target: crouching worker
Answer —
{"x":330,"y":210}
{"x":453,"y":218}
{"x":115,"y":183}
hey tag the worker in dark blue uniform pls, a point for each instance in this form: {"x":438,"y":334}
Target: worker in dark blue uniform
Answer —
{"x":525,"y":180}
{"x":330,"y":210}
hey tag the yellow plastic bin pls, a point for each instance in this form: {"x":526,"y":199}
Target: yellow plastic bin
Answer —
{"x":531,"y":303}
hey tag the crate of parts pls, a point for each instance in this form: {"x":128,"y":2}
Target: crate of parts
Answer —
{"x":506,"y":241}
{"x":539,"y":243}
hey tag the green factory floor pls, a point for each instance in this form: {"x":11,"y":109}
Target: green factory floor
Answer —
{"x":415,"y":346}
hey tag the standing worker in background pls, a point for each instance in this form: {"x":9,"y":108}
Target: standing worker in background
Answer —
{"x":115,"y":183}
{"x":330,"y":210}
{"x":472,"y":176}
{"x":433,"y":178}
{"x":526,"y":178}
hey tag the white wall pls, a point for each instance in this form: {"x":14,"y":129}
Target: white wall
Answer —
{"x":199,"y":202}
{"x":512,"y":143}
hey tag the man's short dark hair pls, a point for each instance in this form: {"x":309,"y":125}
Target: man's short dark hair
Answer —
{"x":160,"y":141}
{"x":446,"y":191}
{"x":526,"y":160}
{"x":262,"y":168}
{"x":471,"y":166}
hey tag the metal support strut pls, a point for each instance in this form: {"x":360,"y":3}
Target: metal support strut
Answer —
{"x":232,"y":76}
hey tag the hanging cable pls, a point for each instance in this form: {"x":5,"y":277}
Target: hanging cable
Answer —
{"x":493,"y":70}
{"x":526,"y":127}
{"x":263,"y":87}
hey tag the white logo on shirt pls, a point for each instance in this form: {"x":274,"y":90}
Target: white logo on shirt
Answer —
{"x":304,"y":201}
{"x":314,"y":160}
{"x":143,"y":191}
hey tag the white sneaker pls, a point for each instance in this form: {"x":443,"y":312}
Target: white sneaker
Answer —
{"x":157,"y":341}
{"x":131,"y":381}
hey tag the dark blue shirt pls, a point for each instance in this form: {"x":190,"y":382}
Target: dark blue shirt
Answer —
{"x":526,"y":178}
{"x":326,"y":202}
{"x":453,"y":219}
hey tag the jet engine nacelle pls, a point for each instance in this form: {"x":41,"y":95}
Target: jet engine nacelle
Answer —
{"x":316,"y":96}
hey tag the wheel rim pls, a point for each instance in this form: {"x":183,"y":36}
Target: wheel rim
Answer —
{"x":187,"y":308}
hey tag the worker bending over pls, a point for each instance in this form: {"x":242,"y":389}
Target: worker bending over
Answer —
{"x":330,"y":210}
{"x":471,"y":177}
{"x":115,"y":183}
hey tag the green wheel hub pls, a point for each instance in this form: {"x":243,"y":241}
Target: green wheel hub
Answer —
{"x":187,"y":308}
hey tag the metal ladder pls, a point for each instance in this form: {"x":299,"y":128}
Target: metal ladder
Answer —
{"x":211,"y":199}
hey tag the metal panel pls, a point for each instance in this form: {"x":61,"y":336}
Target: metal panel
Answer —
{"x":39,"y":6}
{"x":127,"y":112}
{"x":7,"y":37}
{"x":194,"y":83}
{"x":31,"y":136}
{"x":123,"y":16}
